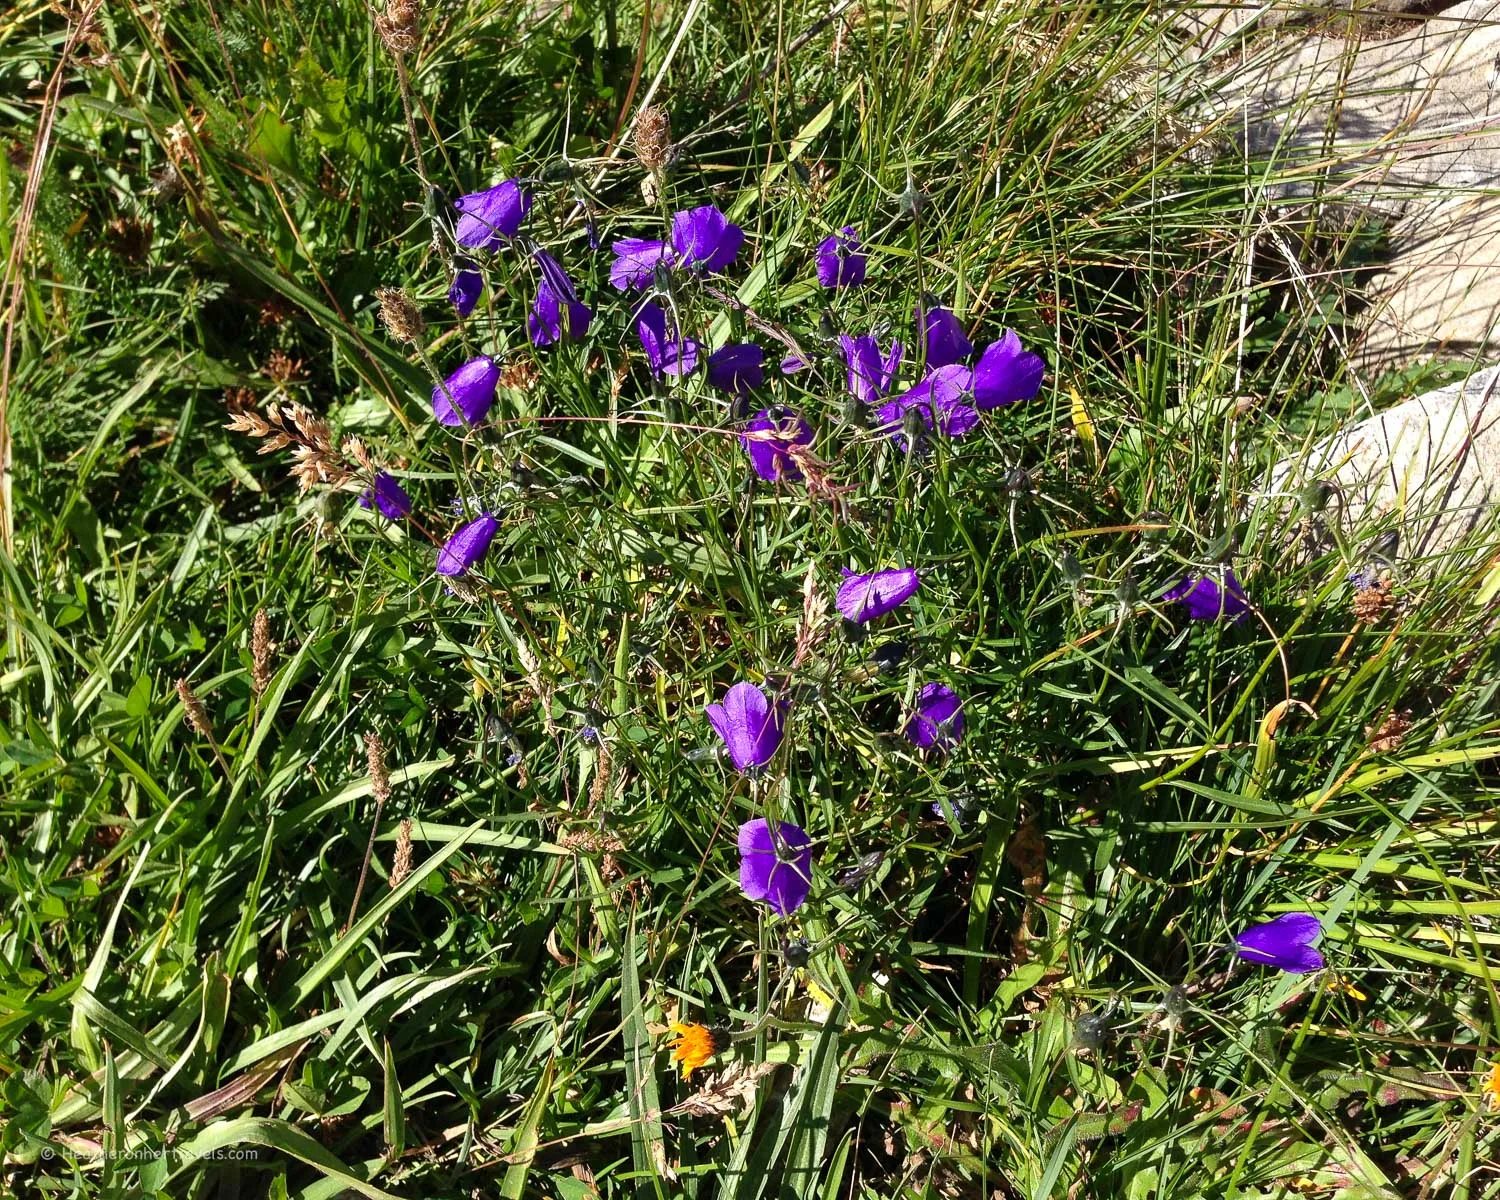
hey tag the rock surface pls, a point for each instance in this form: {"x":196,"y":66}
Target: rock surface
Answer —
{"x":1429,"y":467}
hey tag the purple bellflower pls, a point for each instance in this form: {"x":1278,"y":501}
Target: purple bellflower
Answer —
{"x":486,"y":217}
{"x":750,"y":725}
{"x":465,"y":396}
{"x":467,"y":546}
{"x":557,"y":313}
{"x":939,"y":719}
{"x":386,"y":495}
{"x":870,"y":374}
{"x":862,"y":598}
{"x":1285,"y":943}
{"x":839,"y":262}
{"x":775,"y":864}
{"x":667,"y":355}
{"x":465,"y":290}
{"x":636,"y":260}
{"x":793,"y":363}
{"x":946,"y":342}
{"x":768,"y":439}
{"x":704,"y":238}
{"x":738,"y":368}
{"x":1206,"y":600}
{"x":1005,"y":373}
{"x":941,"y":400}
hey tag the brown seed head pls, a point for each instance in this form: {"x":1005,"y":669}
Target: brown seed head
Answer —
{"x":1389,"y":734}
{"x":197,"y":715}
{"x":401,"y":315}
{"x":399,"y":26}
{"x":380,"y":779}
{"x":1372,"y":603}
{"x":653,"y":138}
{"x":401,"y":864}
{"x":260,"y":652}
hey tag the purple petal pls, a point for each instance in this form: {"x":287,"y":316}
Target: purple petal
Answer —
{"x":940,"y":400}
{"x":738,"y":368}
{"x":705,"y":238}
{"x":1005,"y":373}
{"x":465,"y":290}
{"x":793,"y":363}
{"x":946,"y":342}
{"x":839,"y":263}
{"x":667,"y":355}
{"x":869,"y":375}
{"x":775,"y":866}
{"x":467,"y":546}
{"x":939,"y":719}
{"x":557,"y":313}
{"x":769,"y":455}
{"x":636,"y":261}
{"x":1207,"y":601}
{"x":749,"y":724}
{"x":466,"y":395}
{"x":1285,"y":943}
{"x":864,"y":597}
{"x":387,"y":495}
{"x":485,"y":217}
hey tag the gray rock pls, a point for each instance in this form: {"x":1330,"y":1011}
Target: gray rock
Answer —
{"x":1429,"y":467}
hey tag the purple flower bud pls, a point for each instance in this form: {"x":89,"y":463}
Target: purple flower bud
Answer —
{"x":870,"y":375}
{"x":1005,"y":373}
{"x":557,"y":313}
{"x":488,"y":216}
{"x":775,"y":864}
{"x":386,"y":495}
{"x":465,"y":290}
{"x":636,"y":261}
{"x":705,"y":238}
{"x":467,"y":546}
{"x":1207,"y":601}
{"x":466,"y":395}
{"x":1285,"y":943}
{"x":864,"y":597}
{"x":737,"y":368}
{"x":946,"y":342}
{"x":750,"y":725}
{"x":793,"y":363}
{"x":667,"y":355}
{"x":939,"y":719}
{"x":839,"y":263}
{"x":767,"y":439}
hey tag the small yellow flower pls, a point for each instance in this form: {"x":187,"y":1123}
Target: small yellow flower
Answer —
{"x":1491,"y":1089}
{"x":693,"y":1045}
{"x":1337,"y":983}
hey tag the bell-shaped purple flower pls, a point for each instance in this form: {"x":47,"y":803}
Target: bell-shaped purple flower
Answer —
{"x":870,"y":374}
{"x":387,"y":496}
{"x":1285,"y":943}
{"x":557,"y":313}
{"x":775,"y":864}
{"x":946,"y":342}
{"x":768,"y":439}
{"x":1005,"y":373}
{"x":864,"y":597}
{"x":465,"y":396}
{"x":750,"y":725}
{"x":738,"y":368}
{"x":793,"y":363}
{"x":704,"y":238}
{"x":636,"y":260}
{"x":939,"y":719}
{"x":839,"y":262}
{"x":465,"y":290}
{"x":1206,"y":600}
{"x":467,"y":546}
{"x":486,"y":217}
{"x":667,"y":354}
{"x":941,"y":400}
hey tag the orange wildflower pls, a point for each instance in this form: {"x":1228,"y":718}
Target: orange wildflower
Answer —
{"x":1491,"y":1088}
{"x":693,"y":1045}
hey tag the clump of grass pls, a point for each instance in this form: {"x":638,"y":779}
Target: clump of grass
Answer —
{"x":1011,"y":975}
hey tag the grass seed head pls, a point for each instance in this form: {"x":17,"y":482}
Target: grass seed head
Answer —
{"x":401,"y":865}
{"x":260,"y":652}
{"x":197,"y":714}
{"x":400,"y":315}
{"x":399,"y":26}
{"x":653,"y":138}
{"x":380,"y":778}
